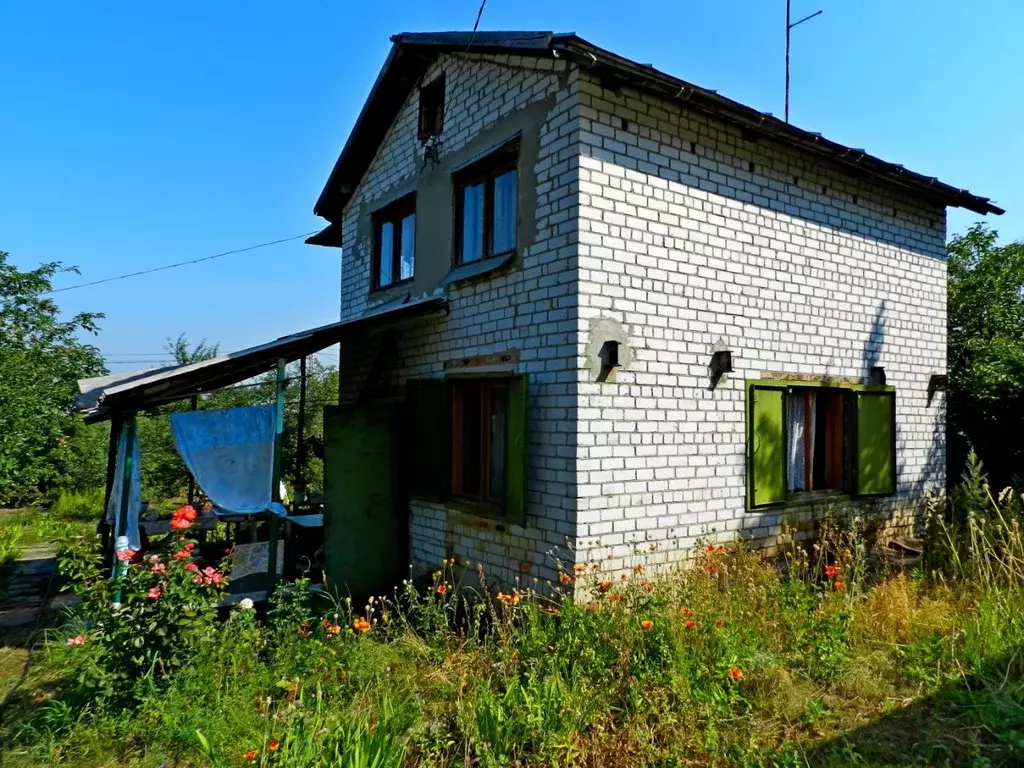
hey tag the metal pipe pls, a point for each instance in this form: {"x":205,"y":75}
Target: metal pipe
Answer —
{"x":300,"y":447}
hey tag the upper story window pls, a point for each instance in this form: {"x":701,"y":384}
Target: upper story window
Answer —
{"x":431,"y":109}
{"x":394,"y":242}
{"x":486,"y":206}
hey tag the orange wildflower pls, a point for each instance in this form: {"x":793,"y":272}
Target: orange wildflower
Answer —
{"x":646,"y":624}
{"x":360,"y":625}
{"x":831,"y":571}
{"x":251,"y":754}
{"x":604,"y":586}
{"x":712,"y":569}
{"x":511,"y":598}
{"x":442,"y":588}
{"x":735,"y":673}
{"x":273,"y":745}
{"x":615,"y":596}
{"x":648,"y":587}
{"x":579,"y":568}
{"x":565,"y":578}
{"x":721,"y":549}
{"x":690,"y":624}
{"x":685,"y":611}
{"x":840,"y":586}
{"x":711,"y":549}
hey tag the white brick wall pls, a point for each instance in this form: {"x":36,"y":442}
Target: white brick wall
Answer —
{"x":531,"y":309}
{"x":693,"y":237}
{"x":689,"y":236}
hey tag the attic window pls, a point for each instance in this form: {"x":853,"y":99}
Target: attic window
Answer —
{"x":431,"y":109}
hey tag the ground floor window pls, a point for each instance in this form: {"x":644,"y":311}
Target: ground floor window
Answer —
{"x":815,"y":445}
{"x":803,"y":438}
{"x":469,"y":442}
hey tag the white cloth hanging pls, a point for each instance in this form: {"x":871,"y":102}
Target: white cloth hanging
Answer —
{"x":801,"y":415}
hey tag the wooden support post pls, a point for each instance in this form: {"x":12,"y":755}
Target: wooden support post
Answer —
{"x":300,"y":446}
{"x":193,"y":404}
{"x":275,"y":487}
{"x":126,"y":493}
{"x":103,"y":527}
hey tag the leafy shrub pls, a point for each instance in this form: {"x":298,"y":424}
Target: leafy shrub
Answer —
{"x":136,"y":629}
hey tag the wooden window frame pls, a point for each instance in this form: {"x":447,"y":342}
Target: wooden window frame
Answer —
{"x":431,"y":105}
{"x":487,"y":386}
{"x":393,"y":213}
{"x":485,"y":171}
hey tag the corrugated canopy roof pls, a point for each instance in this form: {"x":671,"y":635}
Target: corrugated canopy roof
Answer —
{"x":412,"y":53}
{"x":105,"y":395}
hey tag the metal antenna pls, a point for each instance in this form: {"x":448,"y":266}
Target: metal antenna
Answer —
{"x":789,"y":27}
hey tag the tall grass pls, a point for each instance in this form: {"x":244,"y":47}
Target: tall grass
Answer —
{"x":818,"y":658}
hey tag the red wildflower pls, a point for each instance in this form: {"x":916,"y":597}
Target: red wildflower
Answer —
{"x":181,"y":554}
{"x":735,"y":673}
{"x":190,"y":546}
{"x":840,"y":586}
{"x":615,"y":596}
{"x":251,"y":754}
{"x":711,"y":549}
{"x":303,"y":631}
{"x":712,"y":569}
{"x":442,"y":588}
{"x":690,"y":624}
{"x":720,"y":623}
{"x":360,"y":625}
{"x":685,"y":611}
{"x":652,"y":548}
{"x":721,"y":549}
{"x":646,"y":624}
{"x":273,"y":745}
{"x":831,"y":571}
{"x":604,"y":586}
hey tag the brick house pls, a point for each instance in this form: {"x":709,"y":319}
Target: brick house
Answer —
{"x":633,"y":313}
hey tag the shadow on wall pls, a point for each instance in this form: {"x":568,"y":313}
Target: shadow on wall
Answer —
{"x":975,"y":720}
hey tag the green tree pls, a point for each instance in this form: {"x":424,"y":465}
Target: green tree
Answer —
{"x":986,"y":354}
{"x":41,"y":359}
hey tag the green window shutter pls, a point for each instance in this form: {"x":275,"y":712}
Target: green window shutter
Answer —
{"x":875,"y":443}
{"x":518,"y":416}
{"x":766,"y":445}
{"x":427,"y":450}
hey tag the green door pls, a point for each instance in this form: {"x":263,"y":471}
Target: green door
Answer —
{"x":365,"y":535}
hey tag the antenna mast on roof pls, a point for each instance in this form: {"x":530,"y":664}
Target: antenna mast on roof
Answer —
{"x":789,"y":28}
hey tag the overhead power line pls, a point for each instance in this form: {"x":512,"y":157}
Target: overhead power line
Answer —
{"x":178,"y":264}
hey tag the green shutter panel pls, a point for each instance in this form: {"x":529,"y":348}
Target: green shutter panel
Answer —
{"x":766,"y":445}
{"x":875,"y":443}
{"x":518,"y":417}
{"x":427,"y":449}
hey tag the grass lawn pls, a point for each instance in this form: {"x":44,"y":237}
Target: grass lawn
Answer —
{"x":822,"y":658}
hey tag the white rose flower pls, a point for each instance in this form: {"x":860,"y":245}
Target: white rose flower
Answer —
{"x":245,"y":604}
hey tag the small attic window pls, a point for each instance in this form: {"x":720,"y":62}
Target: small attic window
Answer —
{"x":431,"y":109}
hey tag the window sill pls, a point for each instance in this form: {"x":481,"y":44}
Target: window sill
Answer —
{"x":476,"y":268}
{"x":800,"y":499}
{"x":377,"y":290}
{"x":490,"y":515}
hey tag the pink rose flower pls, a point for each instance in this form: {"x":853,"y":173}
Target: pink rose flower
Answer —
{"x":126,"y":555}
{"x":191,"y":567}
{"x":76,"y":640}
{"x":158,"y":568}
{"x":154,"y":593}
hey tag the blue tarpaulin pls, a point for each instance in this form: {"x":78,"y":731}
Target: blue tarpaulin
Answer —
{"x":230,"y":453}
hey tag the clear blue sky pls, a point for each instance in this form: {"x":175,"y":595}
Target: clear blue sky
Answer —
{"x":138,"y":134}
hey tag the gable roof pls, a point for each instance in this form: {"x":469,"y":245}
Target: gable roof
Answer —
{"x":413,"y":52}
